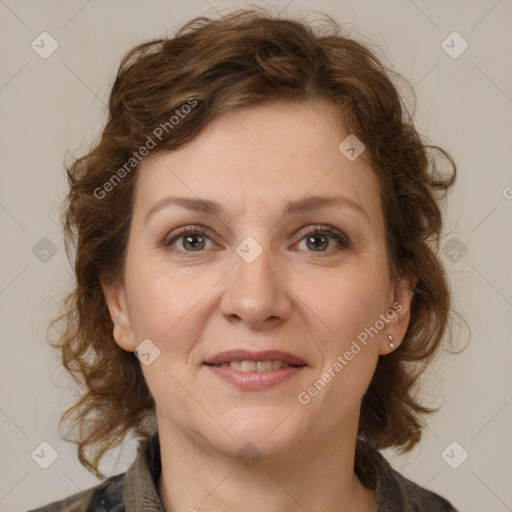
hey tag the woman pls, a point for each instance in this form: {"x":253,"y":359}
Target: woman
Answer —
{"x":257,"y":284}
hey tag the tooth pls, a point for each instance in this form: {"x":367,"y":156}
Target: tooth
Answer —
{"x":248,"y":366}
{"x":264,"y":366}
{"x":259,"y":366}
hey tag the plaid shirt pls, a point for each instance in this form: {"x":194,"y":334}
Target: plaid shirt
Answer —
{"x":136,"y":489}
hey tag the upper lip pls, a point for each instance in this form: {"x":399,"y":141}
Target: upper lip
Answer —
{"x":246,"y":355}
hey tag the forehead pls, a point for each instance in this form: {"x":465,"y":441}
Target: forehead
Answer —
{"x":263,"y":154}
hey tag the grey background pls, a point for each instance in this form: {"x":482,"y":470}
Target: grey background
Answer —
{"x":55,"y":106}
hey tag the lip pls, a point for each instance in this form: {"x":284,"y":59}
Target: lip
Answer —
{"x":254,"y":381}
{"x":246,"y":355}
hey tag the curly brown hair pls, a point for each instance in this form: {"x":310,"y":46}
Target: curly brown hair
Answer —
{"x":245,"y":58}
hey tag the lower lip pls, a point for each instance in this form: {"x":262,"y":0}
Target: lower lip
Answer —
{"x":255,"y":380}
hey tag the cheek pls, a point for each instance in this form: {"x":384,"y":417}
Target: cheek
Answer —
{"x":345,"y":309}
{"x":161,"y":299}
{"x":345,"y":303}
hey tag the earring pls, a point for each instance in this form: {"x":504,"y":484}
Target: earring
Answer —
{"x":390,"y":338}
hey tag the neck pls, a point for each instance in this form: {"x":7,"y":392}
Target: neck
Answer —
{"x":317,"y":476}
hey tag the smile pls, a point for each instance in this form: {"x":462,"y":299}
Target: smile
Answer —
{"x":255,"y":366}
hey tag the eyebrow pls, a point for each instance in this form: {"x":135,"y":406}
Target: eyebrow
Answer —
{"x":292,"y":207}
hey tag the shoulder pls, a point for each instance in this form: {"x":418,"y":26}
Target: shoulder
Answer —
{"x":421,"y":499}
{"x":134,"y":488}
{"x":394,"y":492}
{"x":105,"y":497}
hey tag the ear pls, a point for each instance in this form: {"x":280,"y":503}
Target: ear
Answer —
{"x":115,"y":297}
{"x":399,"y":313}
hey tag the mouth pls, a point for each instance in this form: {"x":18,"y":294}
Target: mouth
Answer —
{"x":262,"y":361}
{"x":255,"y":370}
{"x":247,"y":366}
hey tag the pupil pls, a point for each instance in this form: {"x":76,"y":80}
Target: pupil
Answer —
{"x":189,"y":238}
{"x":317,"y":237}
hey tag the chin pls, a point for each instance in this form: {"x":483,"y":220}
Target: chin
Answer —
{"x":272,"y":433}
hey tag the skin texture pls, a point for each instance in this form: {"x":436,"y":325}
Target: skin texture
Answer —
{"x":310,"y":301}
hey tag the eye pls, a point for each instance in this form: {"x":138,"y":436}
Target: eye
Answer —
{"x":192,"y":239}
{"x":317,"y":238}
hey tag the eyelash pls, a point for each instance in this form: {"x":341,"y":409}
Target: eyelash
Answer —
{"x":318,"y":229}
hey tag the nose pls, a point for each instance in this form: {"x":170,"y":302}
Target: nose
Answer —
{"x":256,"y":292}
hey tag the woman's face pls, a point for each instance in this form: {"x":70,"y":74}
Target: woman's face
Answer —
{"x":255,"y":278}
